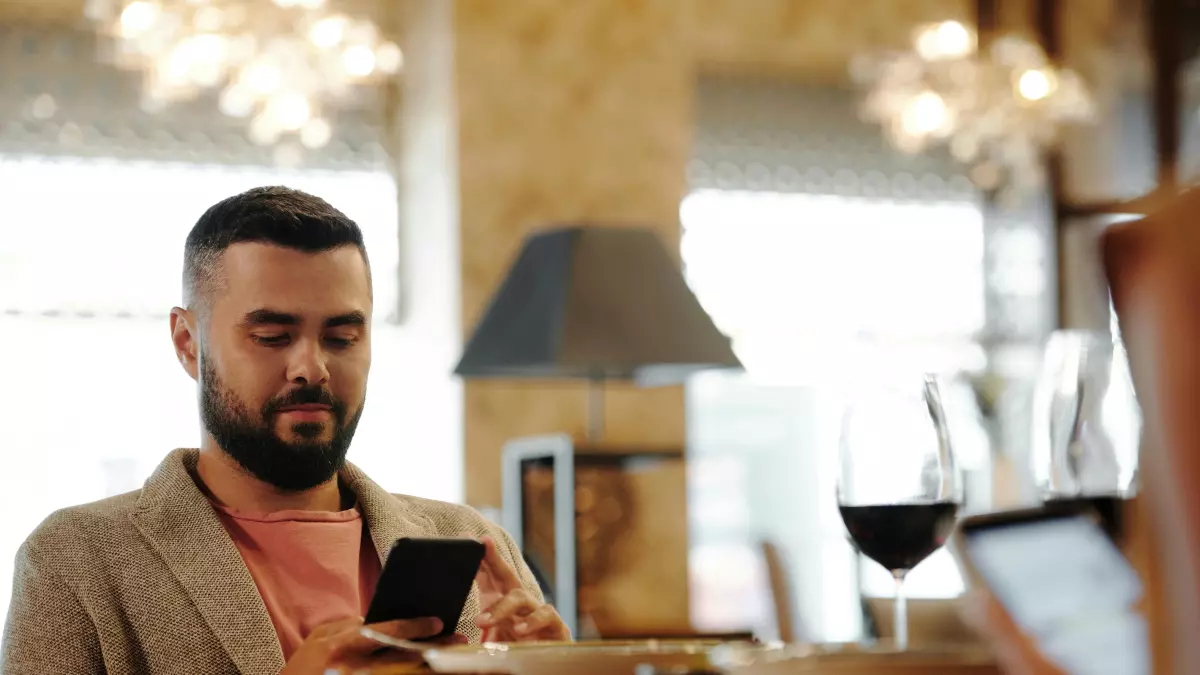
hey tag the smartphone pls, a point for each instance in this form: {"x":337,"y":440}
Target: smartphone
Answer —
{"x":426,"y":578}
{"x":1064,"y":583}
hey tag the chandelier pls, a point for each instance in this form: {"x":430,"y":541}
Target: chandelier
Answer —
{"x":997,"y":112}
{"x":283,"y":65}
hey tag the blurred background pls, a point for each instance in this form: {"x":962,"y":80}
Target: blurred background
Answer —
{"x":849,"y":189}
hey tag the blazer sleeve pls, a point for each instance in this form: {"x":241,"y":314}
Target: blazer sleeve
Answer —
{"x":48,"y":630}
{"x":508,"y":549}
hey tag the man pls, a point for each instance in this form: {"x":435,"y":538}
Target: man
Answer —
{"x":258,"y":552}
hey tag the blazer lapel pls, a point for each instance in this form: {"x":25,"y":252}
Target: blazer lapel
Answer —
{"x":385,"y":515}
{"x":391,"y":517}
{"x":180,"y":523}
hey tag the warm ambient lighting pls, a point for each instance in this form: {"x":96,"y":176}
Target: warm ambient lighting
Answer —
{"x":925,"y":114}
{"x":945,"y":40}
{"x":282,"y":64}
{"x":1035,"y":85}
{"x":997,"y":111}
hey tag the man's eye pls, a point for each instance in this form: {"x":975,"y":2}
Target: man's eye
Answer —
{"x":272,"y":340}
{"x":340,"y":342}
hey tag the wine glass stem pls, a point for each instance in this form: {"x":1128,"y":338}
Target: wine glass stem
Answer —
{"x":901,"y":612}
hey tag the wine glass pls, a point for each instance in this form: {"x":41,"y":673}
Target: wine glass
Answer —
{"x":1085,"y":426}
{"x":898,"y":487}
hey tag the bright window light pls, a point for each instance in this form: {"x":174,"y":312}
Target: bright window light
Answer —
{"x":106,"y":237}
{"x":809,"y":286}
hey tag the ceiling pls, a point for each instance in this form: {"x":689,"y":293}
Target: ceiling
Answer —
{"x":71,"y":11}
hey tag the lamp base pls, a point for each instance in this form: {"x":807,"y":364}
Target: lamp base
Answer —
{"x":624,"y":513}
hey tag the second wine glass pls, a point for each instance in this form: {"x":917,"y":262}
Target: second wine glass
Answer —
{"x":1084,"y":395}
{"x":899,"y":487}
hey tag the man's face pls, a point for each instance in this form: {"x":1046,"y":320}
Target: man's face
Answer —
{"x":284,"y":360}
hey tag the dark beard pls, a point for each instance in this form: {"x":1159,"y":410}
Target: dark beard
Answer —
{"x":252,"y":442}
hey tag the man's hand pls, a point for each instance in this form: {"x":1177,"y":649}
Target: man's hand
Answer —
{"x":1016,"y":652}
{"x":511,"y":613}
{"x":340,"y":646}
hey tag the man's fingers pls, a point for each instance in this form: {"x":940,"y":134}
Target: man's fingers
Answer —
{"x":515,"y":603}
{"x":537,"y":621}
{"x":486,"y":581}
{"x":453,"y":639}
{"x":353,"y":642}
{"x":370,"y":661}
{"x":409,"y":629}
{"x":498,"y":567}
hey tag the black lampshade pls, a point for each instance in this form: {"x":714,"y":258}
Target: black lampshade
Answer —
{"x":594,"y":302}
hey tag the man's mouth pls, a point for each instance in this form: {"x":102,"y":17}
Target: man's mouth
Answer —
{"x":307,"y":412}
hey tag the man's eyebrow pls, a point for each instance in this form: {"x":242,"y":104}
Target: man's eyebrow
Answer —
{"x":354,"y":318}
{"x":269,"y":317}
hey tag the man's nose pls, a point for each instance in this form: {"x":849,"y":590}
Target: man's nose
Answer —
{"x":306,"y":365}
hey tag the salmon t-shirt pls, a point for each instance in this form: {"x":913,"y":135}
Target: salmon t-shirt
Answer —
{"x":311,"y":567}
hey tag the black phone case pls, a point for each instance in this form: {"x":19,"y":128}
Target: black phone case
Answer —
{"x":426,"y":578}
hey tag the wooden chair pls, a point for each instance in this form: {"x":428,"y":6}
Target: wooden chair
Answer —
{"x":1153,"y":267}
{"x":781,"y":592}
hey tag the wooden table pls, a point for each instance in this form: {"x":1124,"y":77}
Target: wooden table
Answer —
{"x":880,"y":665}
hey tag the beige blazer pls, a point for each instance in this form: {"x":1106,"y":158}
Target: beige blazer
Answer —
{"x":149,"y":582}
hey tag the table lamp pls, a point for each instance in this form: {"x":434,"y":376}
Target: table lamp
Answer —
{"x":595,"y":303}
{"x":590,"y":303}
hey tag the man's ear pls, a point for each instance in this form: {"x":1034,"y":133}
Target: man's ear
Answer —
{"x":185,"y":334}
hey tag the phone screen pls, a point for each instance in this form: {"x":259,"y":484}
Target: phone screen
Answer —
{"x":1065,"y":583}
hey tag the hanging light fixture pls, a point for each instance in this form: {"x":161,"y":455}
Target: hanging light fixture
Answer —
{"x":283,"y":65}
{"x":997,"y":112}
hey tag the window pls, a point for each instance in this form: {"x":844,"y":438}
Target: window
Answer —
{"x":91,"y":257}
{"x":814,"y":291}
{"x":126,"y":223}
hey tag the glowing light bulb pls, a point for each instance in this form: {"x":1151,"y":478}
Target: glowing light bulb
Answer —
{"x":290,"y":110}
{"x":316,"y":133}
{"x":388,"y":58}
{"x":924,"y":115}
{"x":205,"y":59}
{"x":138,"y":17}
{"x":328,"y":32}
{"x":945,"y":40}
{"x":358,"y":61}
{"x":1035,"y":85}
{"x":955,"y":39}
{"x":173,"y":71}
{"x":262,"y":78}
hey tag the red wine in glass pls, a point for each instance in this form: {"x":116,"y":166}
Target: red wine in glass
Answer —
{"x":899,"y":536}
{"x":898,"y":485}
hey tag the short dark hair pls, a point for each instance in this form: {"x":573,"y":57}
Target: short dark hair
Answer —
{"x":273,"y":215}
